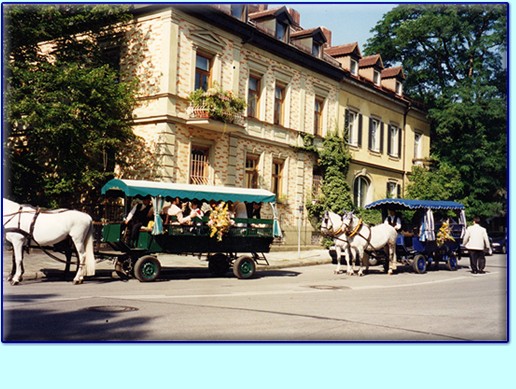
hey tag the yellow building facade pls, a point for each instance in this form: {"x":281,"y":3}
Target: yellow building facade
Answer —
{"x":292,"y":85}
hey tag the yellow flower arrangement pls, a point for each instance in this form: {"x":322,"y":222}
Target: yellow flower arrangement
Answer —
{"x":444,"y":234}
{"x":220,"y":221}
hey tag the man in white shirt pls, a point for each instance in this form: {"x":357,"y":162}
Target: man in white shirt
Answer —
{"x":394,"y":220}
{"x":174,"y":211}
{"x":477,"y":241}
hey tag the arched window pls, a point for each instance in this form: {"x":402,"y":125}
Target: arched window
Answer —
{"x":360,"y":191}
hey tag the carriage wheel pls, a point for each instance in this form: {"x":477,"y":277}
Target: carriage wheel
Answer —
{"x":147,"y":268}
{"x":419,"y":263}
{"x":218,"y":264}
{"x":244,"y":267}
{"x":452,"y":263}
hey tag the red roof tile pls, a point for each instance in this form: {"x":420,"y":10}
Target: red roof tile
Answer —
{"x":393,"y":72}
{"x":342,"y":50}
{"x":371,"y":60}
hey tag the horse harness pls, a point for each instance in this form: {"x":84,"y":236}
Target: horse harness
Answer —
{"x":356,"y":232}
{"x":28,"y":235}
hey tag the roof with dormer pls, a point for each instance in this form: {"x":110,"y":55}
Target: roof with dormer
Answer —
{"x":343,"y":50}
{"x":371,"y":60}
{"x":312,"y":32}
{"x":271,"y":13}
{"x":394,"y":72}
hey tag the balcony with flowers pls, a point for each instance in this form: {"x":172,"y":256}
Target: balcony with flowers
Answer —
{"x":216,"y":109}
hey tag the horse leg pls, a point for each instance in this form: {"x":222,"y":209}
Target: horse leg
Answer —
{"x":392,"y":259}
{"x":68,"y":255}
{"x":338,"y":252}
{"x":17,"y":270}
{"x":350,"y":260}
{"x":364,"y":262}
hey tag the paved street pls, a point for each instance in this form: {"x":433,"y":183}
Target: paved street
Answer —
{"x":295,"y":303}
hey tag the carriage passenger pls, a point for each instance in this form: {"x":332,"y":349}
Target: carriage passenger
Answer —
{"x":140,"y":215}
{"x":174,"y":211}
{"x":394,"y":220}
{"x":195,"y":212}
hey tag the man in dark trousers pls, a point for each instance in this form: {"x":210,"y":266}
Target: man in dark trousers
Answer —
{"x":477,"y":241}
{"x":139,"y":216}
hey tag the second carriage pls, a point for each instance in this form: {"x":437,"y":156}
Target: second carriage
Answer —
{"x":242,"y":246}
{"x":427,"y":241}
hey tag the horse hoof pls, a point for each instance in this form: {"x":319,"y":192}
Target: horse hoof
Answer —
{"x":13,"y":282}
{"x":77,"y":282}
{"x":390,"y":272}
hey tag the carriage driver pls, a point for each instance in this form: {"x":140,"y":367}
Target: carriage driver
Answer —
{"x":394,"y":220}
{"x":139,"y":216}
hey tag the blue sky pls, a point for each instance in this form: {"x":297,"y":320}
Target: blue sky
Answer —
{"x":347,"y":22}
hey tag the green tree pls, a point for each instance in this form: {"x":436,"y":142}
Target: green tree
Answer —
{"x":438,"y":183}
{"x":333,"y":159}
{"x":453,"y":56}
{"x":67,"y":111}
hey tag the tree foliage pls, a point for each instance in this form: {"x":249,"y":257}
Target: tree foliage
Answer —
{"x":333,"y":159}
{"x":439,"y":183}
{"x":453,"y":56}
{"x":67,"y":112}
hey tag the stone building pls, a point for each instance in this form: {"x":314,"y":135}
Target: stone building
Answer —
{"x":293,"y":81}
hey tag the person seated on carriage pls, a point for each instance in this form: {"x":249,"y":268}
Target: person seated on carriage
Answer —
{"x":195,"y":213}
{"x":174,"y":212}
{"x":207,"y":208}
{"x":140,"y":215}
{"x":253,"y":210}
{"x":394,"y":220}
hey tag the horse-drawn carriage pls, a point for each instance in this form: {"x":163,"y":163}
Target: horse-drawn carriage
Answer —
{"x":427,"y":242}
{"x":241,"y":246}
{"x":420,"y":245}
{"x":239,"y":243}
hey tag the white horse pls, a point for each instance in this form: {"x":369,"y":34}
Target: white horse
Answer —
{"x":366,"y":239}
{"x":23,"y":223}
{"x":333,"y":227}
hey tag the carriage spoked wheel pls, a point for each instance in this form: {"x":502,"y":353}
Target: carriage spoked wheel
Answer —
{"x":147,"y":268}
{"x":244,"y":267}
{"x":218,"y":264}
{"x":452,"y":263}
{"x":419,"y":263}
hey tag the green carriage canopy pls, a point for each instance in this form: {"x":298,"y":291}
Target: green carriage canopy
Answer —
{"x":160,"y":190}
{"x":142,"y":188}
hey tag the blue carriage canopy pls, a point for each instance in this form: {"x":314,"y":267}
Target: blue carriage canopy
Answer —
{"x":160,"y":190}
{"x":427,"y":231}
{"x":396,"y":204}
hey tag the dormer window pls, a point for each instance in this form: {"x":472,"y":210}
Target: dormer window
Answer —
{"x":239,"y":11}
{"x":347,"y":55}
{"x":281,"y":31}
{"x":354,"y":67}
{"x":316,"y":49}
{"x":311,"y":41}
{"x":399,"y":88}
{"x":376,"y":78}
{"x":275,"y":22}
{"x":392,"y":79}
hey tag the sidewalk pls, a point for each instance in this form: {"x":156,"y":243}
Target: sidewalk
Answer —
{"x":38,"y":265}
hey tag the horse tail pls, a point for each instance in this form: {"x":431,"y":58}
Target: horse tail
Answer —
{"x":89,"y":252}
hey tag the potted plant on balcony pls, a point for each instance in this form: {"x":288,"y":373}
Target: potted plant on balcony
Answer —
{"x":217,"y":104}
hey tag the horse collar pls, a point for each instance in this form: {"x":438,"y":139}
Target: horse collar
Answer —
{"x":355,"y":230}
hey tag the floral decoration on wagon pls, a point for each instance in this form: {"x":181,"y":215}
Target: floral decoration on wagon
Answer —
{"x":220,"y":221}
{"x":444,"y":234}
